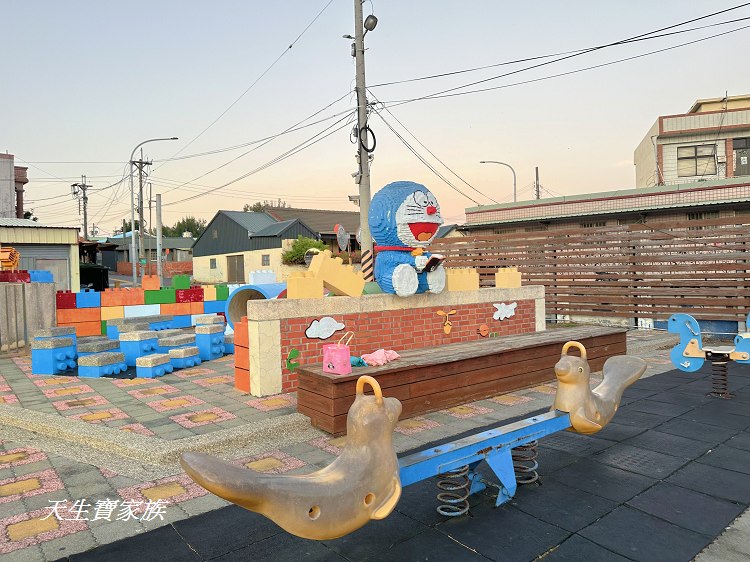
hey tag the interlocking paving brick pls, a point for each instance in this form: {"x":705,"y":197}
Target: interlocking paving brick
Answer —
{"x":641,"y":461}
{"x":657,"y":539}
{"x":687,"y":508}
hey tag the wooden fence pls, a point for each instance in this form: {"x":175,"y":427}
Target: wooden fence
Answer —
{"x":649,"y":270}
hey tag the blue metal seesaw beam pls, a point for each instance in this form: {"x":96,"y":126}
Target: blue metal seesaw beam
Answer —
{"x":493,"y":446}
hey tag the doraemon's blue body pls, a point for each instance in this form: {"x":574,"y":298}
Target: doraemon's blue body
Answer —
{"x":404,"y":218}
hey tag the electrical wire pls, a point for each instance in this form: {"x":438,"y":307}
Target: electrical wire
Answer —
{"x":540,"y":57}
{"x":258,"y":79}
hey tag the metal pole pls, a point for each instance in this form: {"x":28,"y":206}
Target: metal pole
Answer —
{"x":85,"y":204}
{"x":538,"y":191}
{"x":363,"y":155}
{"x":132,"y":204}
{"x":511,"y":169}
{"x":158,"y":238}
{"x":140,"y":215}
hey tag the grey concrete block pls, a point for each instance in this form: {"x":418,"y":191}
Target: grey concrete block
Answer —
{"x":182,"y":352}
{"x":139,"y":335}
{"x":205,"y":319}
{"x":52,"y":343}
{"x":98,"y":346}
{"x":138,"y":327}
{"x":184,"y":339}
{"x":210,"y":329}
{"x":229,"y":338}
{"x":152,"y":360}
{"x":54,"y":332}
{"x":100,"y":359}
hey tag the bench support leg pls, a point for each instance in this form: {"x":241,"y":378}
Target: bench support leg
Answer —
{"x":501,"y":463}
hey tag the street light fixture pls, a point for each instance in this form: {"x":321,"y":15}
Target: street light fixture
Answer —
{"x":132,"y":206}
{"x":511,"y":169}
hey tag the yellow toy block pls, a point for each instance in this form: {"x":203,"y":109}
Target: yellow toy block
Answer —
{"x":337,"y":277}
{"x":508,"y":278}
{"x":151,"y":283}
{"x":461,"y":279}
{"x":209,"y":292}
{"x":112,"y":312}
{"x":303,"y":285}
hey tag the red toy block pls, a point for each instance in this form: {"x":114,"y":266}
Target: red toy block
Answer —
{"x":19,"y":276}
{"x":65,"y":299}
{"x":189,"y":295}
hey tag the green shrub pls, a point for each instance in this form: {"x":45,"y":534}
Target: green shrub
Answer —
{"x":296,"y":255}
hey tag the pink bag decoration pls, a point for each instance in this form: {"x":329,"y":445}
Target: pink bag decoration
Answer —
{"x":337,"y":357}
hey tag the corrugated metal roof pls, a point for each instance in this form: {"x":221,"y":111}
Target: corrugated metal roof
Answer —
{"x":318,"y":220}
{"x":276,"y":229}
{"x":250,"y":221}
{"x":13,"y":222}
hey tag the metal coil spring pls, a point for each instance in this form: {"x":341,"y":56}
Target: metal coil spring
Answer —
{"x":719,"y":380}
{"x":455,"y":497}
{"x":524,"y":463}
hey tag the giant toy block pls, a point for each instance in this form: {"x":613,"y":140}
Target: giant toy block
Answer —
{"x":155,"y":365}
{"x":98,"y":346}
{"x":101,"y":364}
{"x":193,"y":294}
{"x":112,"y":312}
{"x":52,"y":356}
{"x":197,"y":308}
{"x":175,"y":309}
{"x":181,"y":321}
{"x":336,"y":277}
{"x":41,"y":276}
{"x":75,"y":315}
{"x":122,"y":297}
{"x":162,"y":296}
{"x":209,"y":293}
{"x":461,"y":279}
{"x":229,"y":344}
{"x":222,"y":292}
{"x":214,"y":307}
{"x":174,"y":342}
{"x":261,"y":277}
{"x":151,"y":283}
{"x":508,"y":278}
{"x":207,"y":319}
{"x":141,"y":310}
{"x":65,"y":299}
{"x":241,"y":356}
{"x":138,"y":344}
{"x":59,"y":332}
{"x":210,"y":341}
{"x":88,"y":298}
{"x":304,"y":285}
{"x":184,"y":357}
{"x":181,"y":282}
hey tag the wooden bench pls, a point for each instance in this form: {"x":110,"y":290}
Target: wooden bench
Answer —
{"x":430,"y":379}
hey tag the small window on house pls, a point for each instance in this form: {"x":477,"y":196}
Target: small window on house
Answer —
{"x":212,"y":263}
{"x":696,"y":160}
{"x":265,"y":260}
{"x":593,"y":224}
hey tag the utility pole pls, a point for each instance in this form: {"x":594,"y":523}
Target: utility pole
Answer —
{"x":79,"y":189}
{"x":140,"y":163}
{"x":363,"y":151}
{"x":158,"y":237}
{"x":537,"y":187}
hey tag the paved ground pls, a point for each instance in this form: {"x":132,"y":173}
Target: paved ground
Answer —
{"x":659,"y":484}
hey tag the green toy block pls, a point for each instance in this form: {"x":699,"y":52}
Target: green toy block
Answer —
{"x":104,"y":327}
{"x":222,"y":292}
{"x":181,"y":282}
{"x":162,"y":296}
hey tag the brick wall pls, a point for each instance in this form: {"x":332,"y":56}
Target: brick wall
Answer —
{"x":169,"y":268}
{"x":400,"y":330}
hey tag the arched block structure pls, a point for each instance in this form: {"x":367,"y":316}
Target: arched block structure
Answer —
{"x":237,"y":301}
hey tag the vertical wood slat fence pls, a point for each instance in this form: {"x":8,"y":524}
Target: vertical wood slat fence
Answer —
{"x":648,"y":270}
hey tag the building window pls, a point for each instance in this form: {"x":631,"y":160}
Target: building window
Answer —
{"x":536,"y":228}
{"x":593,"y":224}
{"x":701,"y":216}
{"x":212,"y":263}
{"x":265,"y":260}
{"x":696,"y":160}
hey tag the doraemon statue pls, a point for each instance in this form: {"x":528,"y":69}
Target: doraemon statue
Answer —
{"x":404,"y":218}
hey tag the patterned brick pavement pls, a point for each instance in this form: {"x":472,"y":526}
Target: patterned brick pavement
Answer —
{"x":58,"y":498}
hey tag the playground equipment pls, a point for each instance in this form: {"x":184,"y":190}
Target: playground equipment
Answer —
{"x":365,"y":481}
{"x":236,"y":305}
{"x":689,"y":354}
{"x":9,"y":258}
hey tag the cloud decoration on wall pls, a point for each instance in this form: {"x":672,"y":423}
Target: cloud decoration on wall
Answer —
{"x":504,"y":310}
{"x":323,"y":328}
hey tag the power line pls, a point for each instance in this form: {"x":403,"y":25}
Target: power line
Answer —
{"x":539,"y":57}
{"x":250,"y":87}
{"x":395,"y":103}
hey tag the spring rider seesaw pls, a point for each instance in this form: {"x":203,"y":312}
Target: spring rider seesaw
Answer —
{"x":365,"y":481}
{"x":689,"y":354}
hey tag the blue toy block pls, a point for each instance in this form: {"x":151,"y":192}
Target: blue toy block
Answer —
{"x":53,"y":361}
{"x":153,"y":372}
{"x":180,"y":321}
{"x":113,"y":332}
{"x":210,"y":346}
{"x":185,"y":362}
{"x":138,"y":310}
{"x":214,"y":307}
{"x":160,"y":325}
{"x":165,"y":348}
{"x":228,"y":348}
{"x":88,"y":298}
{"x":41,"y":276}
{"x":102,"y":370}
{"x":135,"y":349}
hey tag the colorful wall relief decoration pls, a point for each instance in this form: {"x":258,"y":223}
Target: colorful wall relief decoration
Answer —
{"x":323,"y":329}
{"x":447,"y":324}
{"x":504,"y":310}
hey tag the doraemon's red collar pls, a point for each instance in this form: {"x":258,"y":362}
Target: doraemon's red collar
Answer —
{"x":414,"y":251}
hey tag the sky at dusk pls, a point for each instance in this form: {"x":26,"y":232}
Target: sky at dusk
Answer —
{"x":85,"y":82}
